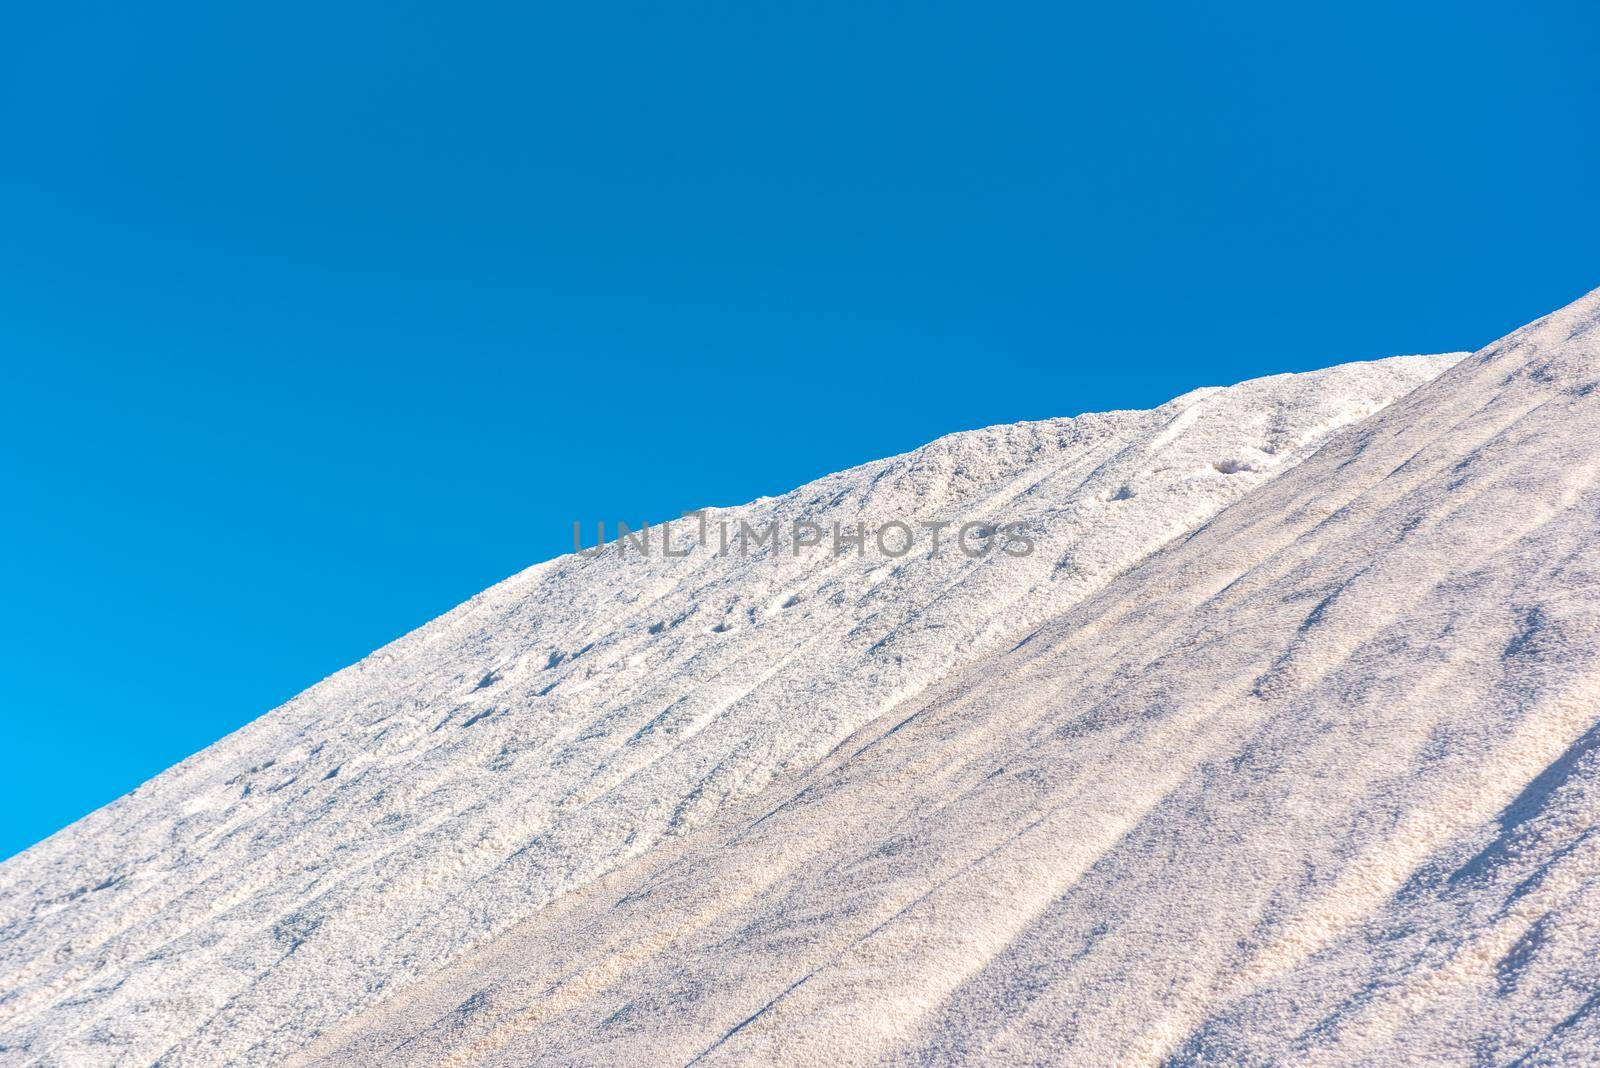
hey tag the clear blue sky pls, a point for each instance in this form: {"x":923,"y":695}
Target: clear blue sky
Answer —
{"x":318,"y":318}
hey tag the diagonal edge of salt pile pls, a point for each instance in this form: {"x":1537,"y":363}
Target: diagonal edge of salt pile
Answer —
{"x":578,"y":716}
{"x":1316,"y":783}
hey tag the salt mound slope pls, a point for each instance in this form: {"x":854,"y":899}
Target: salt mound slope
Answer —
{"x":575,"y":716}
{"x":1318,"y":783}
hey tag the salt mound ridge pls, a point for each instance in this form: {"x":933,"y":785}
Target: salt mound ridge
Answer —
{"x":600,"y":718}
{"x":1315,"y":783}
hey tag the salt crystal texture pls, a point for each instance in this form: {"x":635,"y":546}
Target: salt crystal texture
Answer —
{"x":1278,"y":747}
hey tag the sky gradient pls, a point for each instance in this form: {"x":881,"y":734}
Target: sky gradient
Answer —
{"x":314,"y":322}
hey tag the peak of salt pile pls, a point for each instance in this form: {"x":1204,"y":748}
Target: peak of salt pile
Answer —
{"x":582,"y":715}
{"x":1318,"y":783}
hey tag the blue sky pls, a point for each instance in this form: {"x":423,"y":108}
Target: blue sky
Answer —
{"x":318,"y":318}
